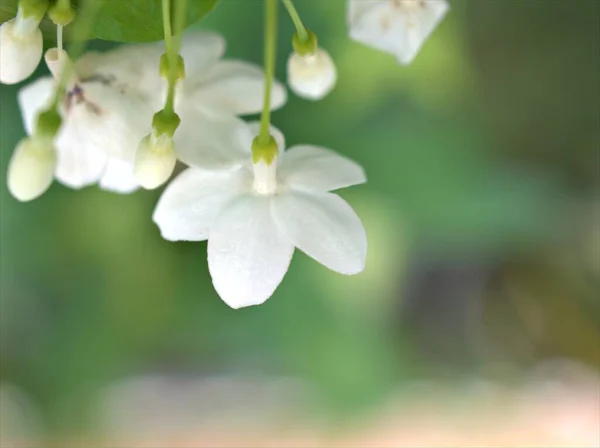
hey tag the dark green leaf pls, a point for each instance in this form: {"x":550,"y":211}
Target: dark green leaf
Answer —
{"x":122,"y":20}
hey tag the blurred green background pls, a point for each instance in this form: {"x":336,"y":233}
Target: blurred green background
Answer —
{"x":482,"y":212}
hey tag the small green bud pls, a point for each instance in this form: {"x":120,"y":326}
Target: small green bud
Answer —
{"x":48,"y":123}
{"x":262,"y":151}
{"x":33,"y":8}
{"x":164,"y":67}
{"x":307,"y":46}
{"x":62,"y":13}
{"x":165,"y":123}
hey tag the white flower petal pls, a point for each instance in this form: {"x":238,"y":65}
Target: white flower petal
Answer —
{"x":311,"y":76}
{"x":323,"y":226}
{"x":314,"y":168}
{"x":136,"y":65}
{"x":33,"y":98}
{"x":247,"y":254}
{"x":201,"y":50}
{"x":20,"y":49}
{"x":78,"y":164}
{"x":399,"y":27}
{"x":212,"y":142}
{"x":275,"y":132}
{"x":191,"y":202}
{"x":235,"y":87}
{"x":111,"y":120}
{"x":118,"y":177}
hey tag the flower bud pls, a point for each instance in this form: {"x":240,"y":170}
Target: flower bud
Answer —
{"x":21,"y":45}
{"x":311,"y":76}
{"x":155,"y":160}
{"x":31,"y":168}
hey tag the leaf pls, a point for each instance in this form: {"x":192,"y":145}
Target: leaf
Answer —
{"x":121,"y":20}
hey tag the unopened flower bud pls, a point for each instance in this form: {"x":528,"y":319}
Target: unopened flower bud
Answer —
{"x":31,"y":168}
{"x":21,"y":44}
{"x":155,"y":160}
{"x":311,"y":76}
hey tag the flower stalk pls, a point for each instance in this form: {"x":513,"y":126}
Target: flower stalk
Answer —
{"x":264,"y":136}
{"x":301,"y":30}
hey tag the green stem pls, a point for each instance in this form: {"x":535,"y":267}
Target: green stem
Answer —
{"x":171,"y":56}
{"x":300,"y":28}
{"x":270,"y":49}
{"x":81,"y":30}
{"x":180,"y":16}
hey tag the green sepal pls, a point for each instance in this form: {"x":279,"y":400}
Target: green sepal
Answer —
{"x":164,"y":67}
{"x":306,"y":46}
{"x":264,"y":151}
{"x":62,"y":13}
{"x":33,"y":8}
{"x":165,"y":122}
{"x":48,"y":123}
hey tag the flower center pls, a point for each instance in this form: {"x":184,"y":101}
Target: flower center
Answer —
{"x":265,"y":177}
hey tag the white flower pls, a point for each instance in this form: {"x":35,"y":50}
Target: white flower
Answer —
{"x":110,"y":103}
{"x":254,"y":215}
{"x":399,"y":27}
{"x":311,"y":76}
{"x":31,"y":168}
{"x":103,"y":119}
{"x":213,"y":85}
{"x":155,"y":160}
{"x":21,"y":46}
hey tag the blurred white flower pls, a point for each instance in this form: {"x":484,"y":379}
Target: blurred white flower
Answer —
{"x":399,"y":27}
{"x":112,"y":97}
{"x":21,"y":46}
{"x":254,"y":214}
{"x":155,"y":160}
{"x":103,"y":119}
{"x":311,"y":76}
{"x":20,"y":420}
{"x":31,"y":168}
{"x":212,"y":85}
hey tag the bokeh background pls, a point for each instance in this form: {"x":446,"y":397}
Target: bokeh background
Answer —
{"x":477,"y":319}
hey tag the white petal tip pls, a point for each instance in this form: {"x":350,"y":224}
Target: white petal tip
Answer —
{"x":311,"y":76}
{"x":20,"y":53}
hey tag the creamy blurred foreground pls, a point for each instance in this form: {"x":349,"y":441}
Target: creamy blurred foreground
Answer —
{"x":555,"y":406}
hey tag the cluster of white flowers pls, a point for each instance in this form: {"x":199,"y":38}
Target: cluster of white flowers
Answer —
{"x":100,"y":120}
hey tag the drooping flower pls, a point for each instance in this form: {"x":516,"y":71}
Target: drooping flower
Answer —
{"x":21,"y":42}
{"x":311,"y":71}
{"x":311,"y":76}
{"x":399,"y":27}
{"x":255,"y":213}
{"x":103,"y":119}
{"x":155,"y":160}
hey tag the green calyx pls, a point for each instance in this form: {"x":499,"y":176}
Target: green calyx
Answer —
{"x":62,"y":13}
{"x":165,"y":67}
{"x":48,"y":123}
{"x":165,"y":123}
{"x":33,"y":8}
{"x":264,"y":151}
{"x":305,"y":46}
